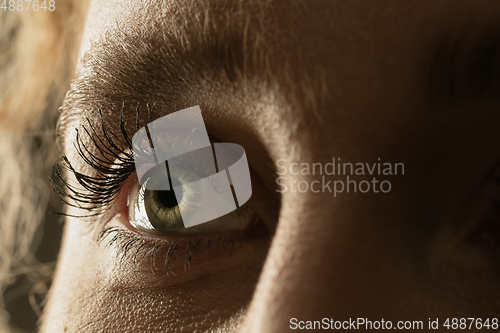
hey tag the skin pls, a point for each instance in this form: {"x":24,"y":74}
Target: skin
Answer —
{"x":411,"y":254}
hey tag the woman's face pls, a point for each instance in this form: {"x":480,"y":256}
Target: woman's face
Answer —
{"x":412,"y":84}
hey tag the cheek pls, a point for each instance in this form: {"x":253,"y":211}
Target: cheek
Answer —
{"x":77,"y":281}
{"x":93,"y":289}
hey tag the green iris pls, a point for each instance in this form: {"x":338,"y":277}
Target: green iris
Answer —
{"x":162,"y":207}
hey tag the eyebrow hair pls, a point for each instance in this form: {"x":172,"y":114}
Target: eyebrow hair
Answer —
{"x":152,"y":61}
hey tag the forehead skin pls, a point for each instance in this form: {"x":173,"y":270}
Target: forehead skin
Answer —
{"x":355,"y":86}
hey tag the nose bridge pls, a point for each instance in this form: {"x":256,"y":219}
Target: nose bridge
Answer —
{"x":328,"y":258}
{"x":296,"y":275}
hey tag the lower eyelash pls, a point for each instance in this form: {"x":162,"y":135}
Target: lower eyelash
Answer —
{"x":134,"y":247}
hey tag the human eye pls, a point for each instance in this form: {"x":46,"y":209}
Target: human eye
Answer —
{"x":159,"y":211}
{"x":152,"y":214}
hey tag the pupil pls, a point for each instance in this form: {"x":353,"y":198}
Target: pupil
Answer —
{"x":167,"y":198}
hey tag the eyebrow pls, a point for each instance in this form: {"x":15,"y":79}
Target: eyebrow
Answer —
{"x":152,"y":62}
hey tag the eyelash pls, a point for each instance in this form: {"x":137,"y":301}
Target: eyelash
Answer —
{"x":113,"y":167}
{"x":139,"y":249}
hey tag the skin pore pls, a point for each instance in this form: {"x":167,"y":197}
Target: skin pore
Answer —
{"x":410,"y":82}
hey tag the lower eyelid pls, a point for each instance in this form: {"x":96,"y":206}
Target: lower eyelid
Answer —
{"x":136,"y":254}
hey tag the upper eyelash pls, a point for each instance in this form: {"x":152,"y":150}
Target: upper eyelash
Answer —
{"x":96,"y":194}
{"x":112,"y":165}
